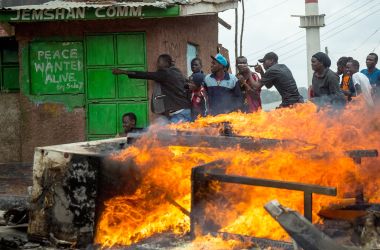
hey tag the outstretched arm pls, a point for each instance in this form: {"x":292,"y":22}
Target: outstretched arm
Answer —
{"x":159,"y":76}
{"x":117,"y":71}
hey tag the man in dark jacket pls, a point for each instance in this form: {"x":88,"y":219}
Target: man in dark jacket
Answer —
{"x":172,"y":82}
{"x":279,"y":76}
{"x":325,"y":83}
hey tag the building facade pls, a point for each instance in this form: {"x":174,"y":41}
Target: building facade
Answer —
{"x":66,"y":53}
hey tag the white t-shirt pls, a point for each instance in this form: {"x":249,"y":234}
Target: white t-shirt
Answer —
{"x":362,"y":80}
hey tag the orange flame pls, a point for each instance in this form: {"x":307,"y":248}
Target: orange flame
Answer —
{"x":316,"y":157}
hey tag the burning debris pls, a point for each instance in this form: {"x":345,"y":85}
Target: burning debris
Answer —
{"x":290,"y":156}
{"x":148,"y":193}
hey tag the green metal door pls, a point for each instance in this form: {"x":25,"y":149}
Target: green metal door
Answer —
{"x":109,"y":96}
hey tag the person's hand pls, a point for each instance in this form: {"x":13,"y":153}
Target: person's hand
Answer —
{"x":117,"y":71}
{"x":310,"y":92}
{"x":259,"y":69}
{"x":240,"y":77}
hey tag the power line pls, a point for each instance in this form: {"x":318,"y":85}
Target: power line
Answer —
{"x":361,"y":44}
{"x":276,"y":43}
{"x":331,"y":15}
{"x":267,"y":9}
{"x":294,"y":34}
{"x":344,"y":23}
{"x":336,"y":33}
{"x":349,"y":24}
{"x":376,"y":47}
{"x":328,"y":37}
{"x":250,"y":55}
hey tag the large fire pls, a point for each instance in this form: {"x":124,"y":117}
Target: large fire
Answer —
{"x":316,"y":156}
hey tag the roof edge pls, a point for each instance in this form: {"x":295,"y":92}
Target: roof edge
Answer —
{"x":206,"y":8}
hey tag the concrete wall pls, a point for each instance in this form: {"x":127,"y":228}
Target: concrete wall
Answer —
{"x":10,"y":145}
{"x":50,"y":124}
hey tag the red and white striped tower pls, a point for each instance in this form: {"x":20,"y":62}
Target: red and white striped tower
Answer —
{"x":312,"y":21}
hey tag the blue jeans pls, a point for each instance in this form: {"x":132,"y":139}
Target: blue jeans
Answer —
{"x":183,"y":116}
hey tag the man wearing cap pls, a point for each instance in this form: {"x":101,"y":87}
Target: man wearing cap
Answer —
{"x":279,"y":76}
{"x":224,"y":93}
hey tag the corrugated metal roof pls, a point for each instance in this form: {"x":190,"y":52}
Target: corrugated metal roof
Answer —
{"x":211,"y":1}
{"x":60,"y":4}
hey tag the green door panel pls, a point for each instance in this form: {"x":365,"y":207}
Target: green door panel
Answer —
{"x":140,"y":109}
{"x":10,"y":78}
{"x":132,"y":88}
{"x":100,"y":50}
{"x":131,"y":49}
{"x":102,"y":119}
{"x":101,"y":84}
{"x":110,"y":96}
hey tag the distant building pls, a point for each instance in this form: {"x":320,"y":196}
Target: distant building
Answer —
{"x":62,"y":53}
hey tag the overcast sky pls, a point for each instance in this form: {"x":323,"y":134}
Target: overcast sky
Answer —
{"x":352,"y":29}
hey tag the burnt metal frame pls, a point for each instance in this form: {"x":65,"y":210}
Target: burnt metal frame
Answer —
{"x":183,"y":138}
{"x":215,"y":171}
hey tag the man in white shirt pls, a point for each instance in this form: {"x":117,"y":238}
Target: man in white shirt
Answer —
{"x":360,"y":81}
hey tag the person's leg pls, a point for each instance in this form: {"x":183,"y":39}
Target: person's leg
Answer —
{"x":175,"y":118}
{"x":184,"y":116}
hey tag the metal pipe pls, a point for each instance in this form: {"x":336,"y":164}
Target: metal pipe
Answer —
{"x":308,"y":205}
{"x":362,"y":153}
{"x":310,"y":188}
{"x":301,"y":230}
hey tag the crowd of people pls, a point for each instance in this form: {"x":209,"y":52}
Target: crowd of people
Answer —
{"x":181,"y":98}
{"x":340,"y":87}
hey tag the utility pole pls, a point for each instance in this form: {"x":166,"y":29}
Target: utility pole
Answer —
{"x":242,"y":27}
{"x":311,"y":21}
{"x":236,"y":34}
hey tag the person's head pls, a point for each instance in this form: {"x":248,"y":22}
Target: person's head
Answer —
{"x":196,"y":65}
{"x":320,"y":61}
{"x":341,"y":64}
{"x":352,"y":67}
{"x":196,"y":81}
{"x":164,"y":61}
{"x":129,"y":122}
{"x":371,"y":60}
{"x":242,"y":64}
{"x":219,"y":63}
{"x":269,"y":60}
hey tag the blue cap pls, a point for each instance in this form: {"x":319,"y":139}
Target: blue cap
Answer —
{"x":220,"y":59}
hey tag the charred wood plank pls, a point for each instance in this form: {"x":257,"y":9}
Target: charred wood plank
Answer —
{"x":247,"y":143}
{"x":342,"y":214}
{"x":226,"y":140}
{"x":261,"y":242}
{"x":11,"y":201}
